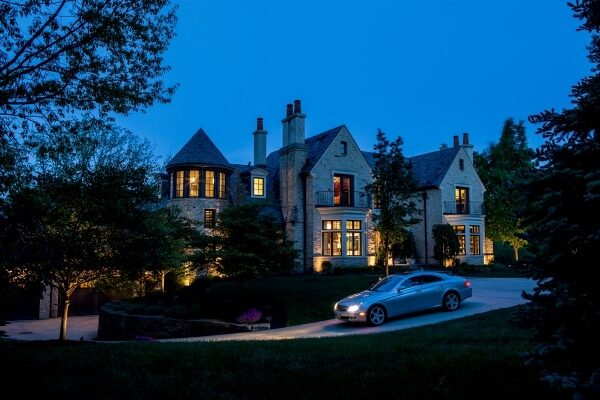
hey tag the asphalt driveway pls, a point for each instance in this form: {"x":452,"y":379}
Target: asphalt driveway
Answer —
{"x":488,"y":294}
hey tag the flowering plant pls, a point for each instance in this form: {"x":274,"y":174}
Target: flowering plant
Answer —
{"x":250,"y":316}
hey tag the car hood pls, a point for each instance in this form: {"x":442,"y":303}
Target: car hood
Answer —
{"x":366,"y":296}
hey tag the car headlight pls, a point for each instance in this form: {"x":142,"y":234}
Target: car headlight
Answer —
{"x":353,"y":308}
{"x":335,"y":306}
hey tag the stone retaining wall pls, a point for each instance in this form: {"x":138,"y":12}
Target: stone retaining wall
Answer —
{"x":117,"y":325}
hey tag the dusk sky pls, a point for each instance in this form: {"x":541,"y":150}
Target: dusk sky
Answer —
{"x":422,"y":70}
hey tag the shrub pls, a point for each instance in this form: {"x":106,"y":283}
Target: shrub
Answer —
{"x":326,"y":267}
{"x":250,"y":316}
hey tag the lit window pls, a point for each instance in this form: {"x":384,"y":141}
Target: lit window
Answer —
{"x":332,"y":238}
{"x":353,"y":238}
{"x":222,"y":185}
{"x":258,"y":187}
{"x":209,"y":218}
{"x":194,"y":183}
{"x":460,"y":234}
{"x":209,"y":184}
{"x":342,"y":190}
{"x":179,"y":184}
{"x":475,"y":240}
{"x":461,"y":195}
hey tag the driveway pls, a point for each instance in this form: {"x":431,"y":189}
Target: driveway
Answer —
{"x":488,"y":294}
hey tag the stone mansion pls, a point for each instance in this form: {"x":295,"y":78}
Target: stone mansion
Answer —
{"x":315,"y":186}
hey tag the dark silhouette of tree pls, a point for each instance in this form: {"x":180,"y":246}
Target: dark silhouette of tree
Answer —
{"x":564,"y":230}
{"x":446,"y":245}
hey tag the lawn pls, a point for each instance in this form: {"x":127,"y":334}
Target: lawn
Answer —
{"x":477,"y":357}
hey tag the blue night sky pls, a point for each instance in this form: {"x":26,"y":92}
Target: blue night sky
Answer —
{"x":422,"y":70}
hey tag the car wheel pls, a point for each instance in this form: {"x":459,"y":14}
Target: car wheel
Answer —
{"x":376,"y":315}
{"x":451,"y":301}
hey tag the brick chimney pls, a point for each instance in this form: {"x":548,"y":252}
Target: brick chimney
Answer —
{"x":260,"y":143}
{"x":468,"y":147}
{"x":456,"y":144}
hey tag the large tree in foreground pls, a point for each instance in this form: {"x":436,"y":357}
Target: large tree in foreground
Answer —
{"x":504,"y":168}
{"x":87,"y":216}
{"x":61,"y":57}
{"x":394,"y":192}
{"x":564,"y":228}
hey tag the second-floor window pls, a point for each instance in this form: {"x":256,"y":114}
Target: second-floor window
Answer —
{"x":258,"y":187}
{"x":222,"y":185}
{"x":462,"y":200}
{"x":194,"y":183}
{"x":179,"y":184}
{"x":209,"y":183}
{"x":342,"y":190}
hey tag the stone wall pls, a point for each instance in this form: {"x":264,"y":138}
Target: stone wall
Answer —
{"x":116,"y":325}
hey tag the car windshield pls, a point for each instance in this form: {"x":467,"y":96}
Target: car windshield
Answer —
{"x":385,"y":285}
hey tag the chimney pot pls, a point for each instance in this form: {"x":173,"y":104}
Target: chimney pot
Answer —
{"x":456,"y":144}
{"x":297,"y":107}
{"x":259,"y":124}
{"x":465,"y":138}
{"x":289,"y":111}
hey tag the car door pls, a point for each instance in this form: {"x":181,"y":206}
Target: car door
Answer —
{"x":404,"y":299}
{"x":431,"y":289}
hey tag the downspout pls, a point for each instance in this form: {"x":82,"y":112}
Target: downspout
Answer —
{"x":424,"y":194}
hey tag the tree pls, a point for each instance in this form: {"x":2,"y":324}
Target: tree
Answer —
{"x":248,"y":243}
{"x":504,"y":168}
{"x":394,"y":192}
{"x":87,"y":215}
{"x":446,"y":246}
{"x":58,"y":58}
{"x":564,"y":230}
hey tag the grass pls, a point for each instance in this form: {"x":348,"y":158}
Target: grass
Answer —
{"x":477,"y":357}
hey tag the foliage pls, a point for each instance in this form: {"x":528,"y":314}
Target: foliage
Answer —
{"x":61,"y":57}
{"x":87,"y":215}
{"x":504,"y":168}
{"x":246,"y":243}
{"x":394,"y":192}
{"x":446,"y":245}
{"x":250,"y":316}
{"x":564,"y":230}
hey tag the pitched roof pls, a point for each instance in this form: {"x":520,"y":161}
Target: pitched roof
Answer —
{"x":427,"y":169}
{"x":199,"y":150}
{"x":318,"y":144}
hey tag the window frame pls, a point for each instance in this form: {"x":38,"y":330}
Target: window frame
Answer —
{"x":256,"y":179}
{"x":209,"y":222}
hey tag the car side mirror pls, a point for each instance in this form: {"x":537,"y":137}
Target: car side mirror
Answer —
{"x":400,"y":288}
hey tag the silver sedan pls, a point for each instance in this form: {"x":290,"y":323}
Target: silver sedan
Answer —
{"x":404,"y":293}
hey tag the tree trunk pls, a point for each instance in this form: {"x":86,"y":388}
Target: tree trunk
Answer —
{"x":65,"y":315}
{"x":386,"y":257}
{"x":516,"y":253}
{"x":162,"y":281}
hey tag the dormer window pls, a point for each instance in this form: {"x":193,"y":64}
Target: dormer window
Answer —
{"x":258,"y":186}
{"x":344,"y":148}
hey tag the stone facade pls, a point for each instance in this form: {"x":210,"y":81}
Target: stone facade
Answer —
{"x":315,"y":187}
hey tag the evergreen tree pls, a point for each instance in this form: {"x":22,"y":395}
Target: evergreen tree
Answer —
{"x":504,"y":168}
{"x":394,"y":192}
{"x":564,"y":230}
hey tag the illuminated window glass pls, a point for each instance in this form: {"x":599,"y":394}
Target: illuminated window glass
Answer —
{"x":179,"y":184}
{"x":474,"y":240}
{"x":209,"y":184}
{"x":258,"y":187}
{"x":194,"y":183}
{"x":222,"y":185}
{"x":460,"y":234}
{"x":332,"y":238}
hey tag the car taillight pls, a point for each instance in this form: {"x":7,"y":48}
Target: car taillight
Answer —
{"x":467,"y":283}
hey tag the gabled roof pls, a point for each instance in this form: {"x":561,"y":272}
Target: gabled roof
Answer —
{"x":199,"y":150}
{"x":427,"y":169}
{"x":318,"y":144}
